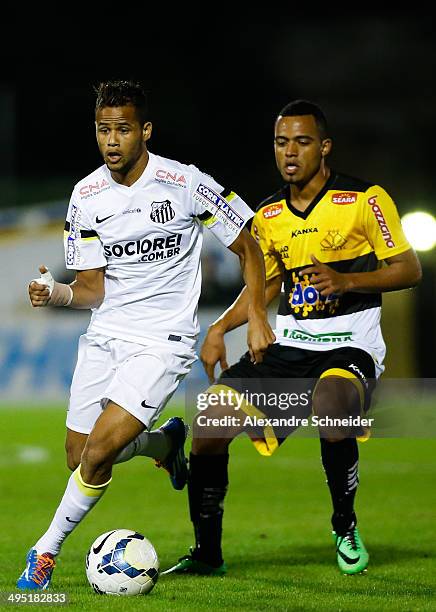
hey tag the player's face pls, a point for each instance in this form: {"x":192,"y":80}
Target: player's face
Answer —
{"x":298,"y":148}
{"x":120,"y":137}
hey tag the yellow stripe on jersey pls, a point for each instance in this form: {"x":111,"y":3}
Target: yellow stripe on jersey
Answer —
{"x":230,"y":196}
{"x":66,"y":234}
{"x":209,"y":221}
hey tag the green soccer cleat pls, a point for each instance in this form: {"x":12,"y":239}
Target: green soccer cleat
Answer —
{"x":189,"y":565}
{"x":351,"y":553}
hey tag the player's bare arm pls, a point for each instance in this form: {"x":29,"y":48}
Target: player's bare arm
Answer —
{"x":214,"y":349}
{"x":401,"y":272}
{"x":86,"y":291}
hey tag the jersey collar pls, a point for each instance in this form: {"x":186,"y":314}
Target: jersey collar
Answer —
{"x":139,"y":182}
{"x":304,"y":214}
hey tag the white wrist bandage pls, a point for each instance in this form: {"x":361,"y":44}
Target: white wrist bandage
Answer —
{"x":60,"y":294}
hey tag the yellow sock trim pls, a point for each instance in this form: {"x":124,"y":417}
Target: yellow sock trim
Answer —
{"x":268,"y":444}
{"x":88,"y":489}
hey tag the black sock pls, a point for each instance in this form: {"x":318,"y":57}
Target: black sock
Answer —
{"x":207,"y":487}
{"x":340,"y":461}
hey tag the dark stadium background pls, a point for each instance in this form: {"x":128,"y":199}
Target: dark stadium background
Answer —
{"x":215,"y":87}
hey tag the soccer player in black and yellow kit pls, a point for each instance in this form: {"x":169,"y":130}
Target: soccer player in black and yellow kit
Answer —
{"x":325,"y":237}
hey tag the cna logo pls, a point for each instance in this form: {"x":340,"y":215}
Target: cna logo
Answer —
{"x":88,"y":191}
{"x":386,"y":232}
{"x":344,"y":197}
{"x":170,"y":178}
{"x":272,"y":211}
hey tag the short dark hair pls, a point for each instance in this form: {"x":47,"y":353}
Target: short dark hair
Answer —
{"x":304,"y":107}
{"x":122,"y":93}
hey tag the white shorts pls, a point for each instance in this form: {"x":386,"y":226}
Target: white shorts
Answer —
{"x":139,"y":378}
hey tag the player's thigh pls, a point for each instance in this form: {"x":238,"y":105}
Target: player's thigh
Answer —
{"x":214,"y":428}
{"x":346,"y":381}
{"x":92,"y":375}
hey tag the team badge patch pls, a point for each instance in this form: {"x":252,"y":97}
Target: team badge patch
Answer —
{"x":162,"y":212}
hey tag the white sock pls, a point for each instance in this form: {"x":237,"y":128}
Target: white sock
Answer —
{"x":77,"y":501}
{"x":155,"y":444}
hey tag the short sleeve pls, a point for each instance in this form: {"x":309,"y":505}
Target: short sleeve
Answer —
{"x":382,"y":224}
{"x":221,"y":210}
{"x":258,"y":231}
{"x":82,"y":245}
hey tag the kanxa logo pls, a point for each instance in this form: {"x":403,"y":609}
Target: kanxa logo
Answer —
{"x":162,"y":212}
{"x":306,"y":230}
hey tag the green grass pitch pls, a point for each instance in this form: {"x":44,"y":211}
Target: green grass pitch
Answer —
{"x":277,"y":539}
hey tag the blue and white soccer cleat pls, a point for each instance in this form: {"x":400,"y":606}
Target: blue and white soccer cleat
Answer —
{"x":175,"y":463}
{"x":38,"y":572}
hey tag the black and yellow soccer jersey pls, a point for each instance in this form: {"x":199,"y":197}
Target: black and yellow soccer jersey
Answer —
{"x":351,"y":225}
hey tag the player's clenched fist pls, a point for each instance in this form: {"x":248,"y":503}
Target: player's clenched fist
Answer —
{"x":45,"y":290}
{"x":39,"y":288}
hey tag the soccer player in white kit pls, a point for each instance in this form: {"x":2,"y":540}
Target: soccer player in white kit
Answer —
{"x":133,"y":235}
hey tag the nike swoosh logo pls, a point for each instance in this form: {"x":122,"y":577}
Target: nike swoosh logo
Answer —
{"x":347,"y":559}
{"x":97,"y":220}
{"x":144,"y":405}
{"x":98,"y":548}
{"x":70,"y":520}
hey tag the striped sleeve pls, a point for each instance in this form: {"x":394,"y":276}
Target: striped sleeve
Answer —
{"x":82,"y":245}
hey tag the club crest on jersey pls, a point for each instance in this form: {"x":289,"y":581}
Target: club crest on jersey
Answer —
{"x":333,"y":241}
{"x":162,"y":212}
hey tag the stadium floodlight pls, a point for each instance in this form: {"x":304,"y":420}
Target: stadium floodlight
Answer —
{"x":420,"y":229}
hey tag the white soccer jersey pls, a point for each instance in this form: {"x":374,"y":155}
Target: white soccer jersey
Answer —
{"x":148,"y":237}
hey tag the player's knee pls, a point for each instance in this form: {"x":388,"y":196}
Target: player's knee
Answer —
{"x":335,"y":398}
{"x":96,"y":457}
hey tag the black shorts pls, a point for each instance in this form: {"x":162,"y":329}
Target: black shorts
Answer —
{"x":293,"y":371}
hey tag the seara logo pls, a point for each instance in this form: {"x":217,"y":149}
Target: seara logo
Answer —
{"x":91,"y":190}
{"x":386,"y":233}
{"x":344,"y":197}
{"x":170,"y":178}
{"x":272,"y":211}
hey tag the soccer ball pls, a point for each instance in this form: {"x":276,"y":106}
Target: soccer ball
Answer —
{"x":122,"y":562}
